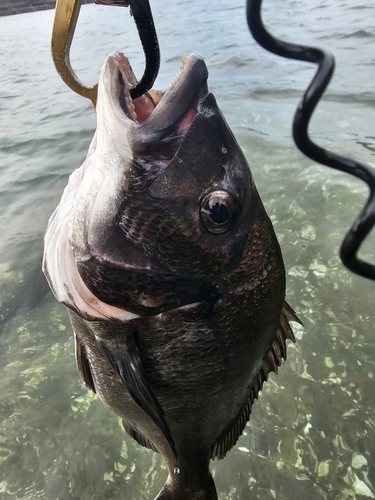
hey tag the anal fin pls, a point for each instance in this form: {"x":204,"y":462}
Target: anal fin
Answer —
{"x":138,"y":436}
{"x":272,"y":360}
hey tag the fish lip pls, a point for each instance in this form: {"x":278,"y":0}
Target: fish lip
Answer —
{"x":187,"y":87}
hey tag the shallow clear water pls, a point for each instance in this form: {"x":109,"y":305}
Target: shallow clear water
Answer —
{"x":312,"y":433}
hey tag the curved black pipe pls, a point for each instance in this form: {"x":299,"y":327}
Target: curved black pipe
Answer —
{"x":365,"y":221}
{"x":141,"y":12}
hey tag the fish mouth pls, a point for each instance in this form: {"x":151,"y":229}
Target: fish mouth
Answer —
{"x":155,"y":115}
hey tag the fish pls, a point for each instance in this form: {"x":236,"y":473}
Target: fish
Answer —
{"x":164,"y":255}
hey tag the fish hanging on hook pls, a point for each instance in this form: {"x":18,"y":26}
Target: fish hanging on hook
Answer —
{"x":163,"y":253}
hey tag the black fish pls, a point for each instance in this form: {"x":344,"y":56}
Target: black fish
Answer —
{"x":169,"y":265}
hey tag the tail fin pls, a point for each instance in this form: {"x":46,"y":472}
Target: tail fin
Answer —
{"x":174,"y":492}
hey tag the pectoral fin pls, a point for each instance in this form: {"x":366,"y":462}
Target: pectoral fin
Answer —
{"x":130,"y":369}
{"x":272,"y":360}
{"x":83,"y":364}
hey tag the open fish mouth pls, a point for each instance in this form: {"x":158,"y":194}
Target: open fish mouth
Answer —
{"x":159,"y":113}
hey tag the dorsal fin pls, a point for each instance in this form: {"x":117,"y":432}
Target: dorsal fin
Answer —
{"x":272,"y":360}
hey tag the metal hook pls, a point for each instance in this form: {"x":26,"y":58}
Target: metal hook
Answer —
{"x":65,"y":21}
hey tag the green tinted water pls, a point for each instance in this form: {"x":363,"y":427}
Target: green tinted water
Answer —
{"x":312,"y":433}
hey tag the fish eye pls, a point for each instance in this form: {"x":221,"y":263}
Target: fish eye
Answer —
{"x":219,"y":211}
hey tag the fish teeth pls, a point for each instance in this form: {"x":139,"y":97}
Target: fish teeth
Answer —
{"x":156,"y":95}
{"x":184,"y":61}
{"x":129,"y":82}
{"x":130,"y":105}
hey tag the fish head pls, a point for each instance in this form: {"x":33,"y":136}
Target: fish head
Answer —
{"x":165,"y":201}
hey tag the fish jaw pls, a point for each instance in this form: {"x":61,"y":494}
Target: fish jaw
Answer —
{"x":133,"y":126}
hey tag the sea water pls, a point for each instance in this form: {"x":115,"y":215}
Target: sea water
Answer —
{"x":312,"y":432}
